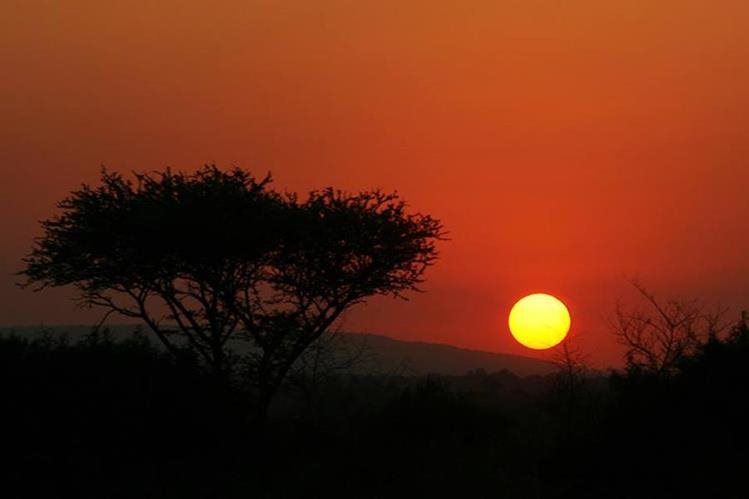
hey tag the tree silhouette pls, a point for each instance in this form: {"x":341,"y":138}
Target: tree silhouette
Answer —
{"x":572,"y":365}
{"x":331,"y":356}
{"x":214,"y":256}
{"x":658,"y":338}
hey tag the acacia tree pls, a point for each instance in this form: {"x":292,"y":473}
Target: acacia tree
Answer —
{"x":208,"y":257}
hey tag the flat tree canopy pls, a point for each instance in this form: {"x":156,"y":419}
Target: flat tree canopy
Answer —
{"x":217,"y":255}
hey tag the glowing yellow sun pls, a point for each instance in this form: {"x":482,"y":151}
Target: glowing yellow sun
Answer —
{"x":539,"y":321}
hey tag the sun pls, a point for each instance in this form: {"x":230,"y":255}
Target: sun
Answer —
{"x":539,"y":321}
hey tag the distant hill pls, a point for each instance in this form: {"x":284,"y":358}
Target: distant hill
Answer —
{"x":381,"y":354}
{"x":420,"y":358}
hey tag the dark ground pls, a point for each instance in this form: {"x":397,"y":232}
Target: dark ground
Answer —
{"x":105,"y":419}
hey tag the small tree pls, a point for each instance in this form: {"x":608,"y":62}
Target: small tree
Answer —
{"x":571,"y":366}
{"x":208,"y":257}
{"x":332,"y":355}
{"x":659,"y":337}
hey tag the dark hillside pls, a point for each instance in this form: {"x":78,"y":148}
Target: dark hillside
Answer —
{"x":383,"y":355}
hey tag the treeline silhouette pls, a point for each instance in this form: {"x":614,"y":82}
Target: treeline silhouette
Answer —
{"x":119,"y":419}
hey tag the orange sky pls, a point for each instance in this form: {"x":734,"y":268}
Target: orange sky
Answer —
{"x":566,"y":145}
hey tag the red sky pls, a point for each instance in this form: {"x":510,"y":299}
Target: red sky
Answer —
{"x":565,"y":145}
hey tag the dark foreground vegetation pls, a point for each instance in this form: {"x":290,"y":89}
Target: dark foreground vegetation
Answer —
{"x":109,"y":419}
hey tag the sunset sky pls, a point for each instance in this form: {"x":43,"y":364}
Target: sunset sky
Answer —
{"x":566,"y":145}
